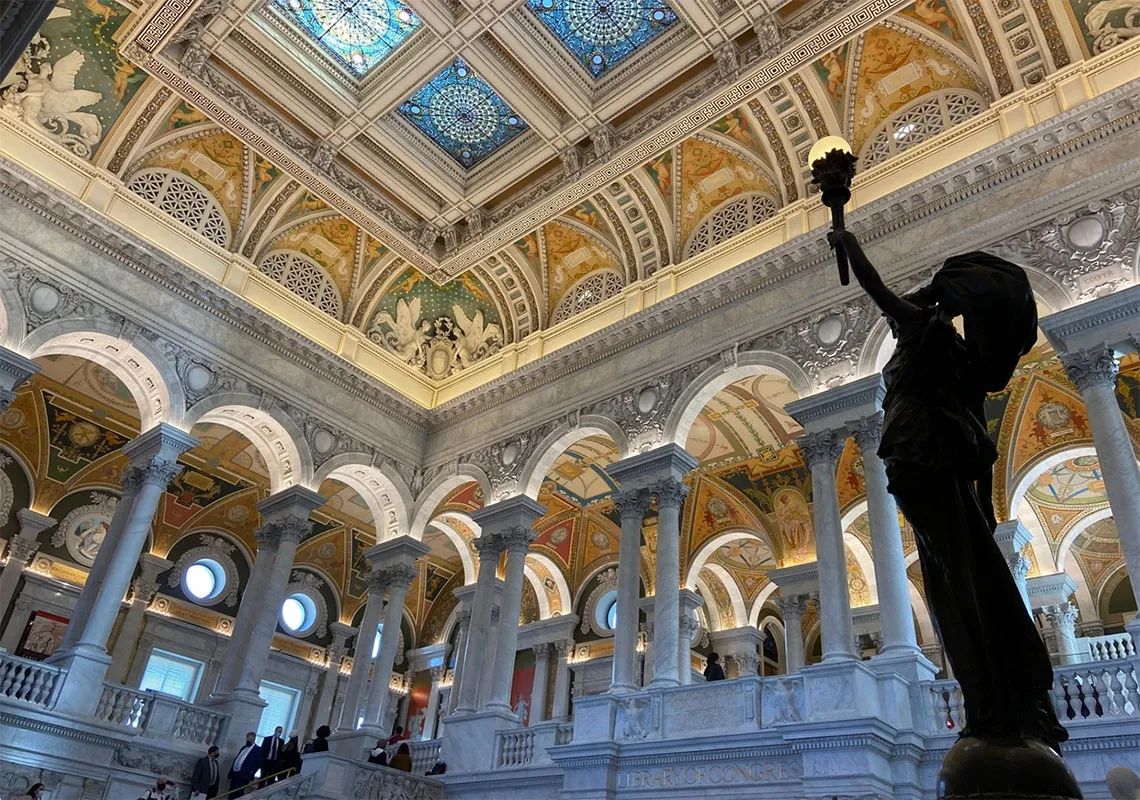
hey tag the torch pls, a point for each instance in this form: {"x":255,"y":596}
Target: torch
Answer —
{"x":832,"y":168}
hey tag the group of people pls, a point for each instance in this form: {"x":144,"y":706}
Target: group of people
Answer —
{"x":402,"y":760}
{"x":274,"y":759}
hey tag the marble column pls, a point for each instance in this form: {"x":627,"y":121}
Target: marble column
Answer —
{"x":399,"y":577}
{"x":322,"y":711}
{"x":478,"y":637}
{"x":899,"y":637}
{"x":563,"y":649}
{"x":152,"y":465}
{"x":632,"y":504}
{"x":431,"y":717}
{"x":670,"y":494}
{"x":821,"y":450}
{"x":15,"y":370}
{"x":1062,"y":619}
{"x":285,"y":522}
{"x":1011,"y":538}
{"x":460,"y":651}
{"x":792,"y":610}
{"x":516,"y":541}
{"x":143,"y":589}
{"x":362,"y":656}
{"x":689,"y":602}
{"x":20,"y":551}
{"x":541,"y":676}
{"x":1093,"y":371}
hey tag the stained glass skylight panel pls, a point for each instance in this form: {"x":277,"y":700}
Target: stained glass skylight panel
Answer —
{"x":601,"y":33}
{"x":358,"y":33}
{"x":461,"y":113}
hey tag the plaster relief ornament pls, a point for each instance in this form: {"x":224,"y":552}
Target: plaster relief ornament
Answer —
{"x":44,"y":96}
{"x":939,"y":461}
{"x":84,"y":529}
{"x":1112,"y":22}
{"x":440,"y":347}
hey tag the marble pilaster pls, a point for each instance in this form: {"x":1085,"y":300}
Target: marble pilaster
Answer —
{"x":143,"y":589}
{"x":560,"y":708}
{"x":632,"y":505}
{"x":20,"y":551}
{"x":541,"y":677}
{"x":152,"y":465}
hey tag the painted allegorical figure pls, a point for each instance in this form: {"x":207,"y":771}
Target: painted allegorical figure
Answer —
{"x":939,"y":459}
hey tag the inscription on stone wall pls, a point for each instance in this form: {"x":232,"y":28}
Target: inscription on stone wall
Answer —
{"x":748,"y":772}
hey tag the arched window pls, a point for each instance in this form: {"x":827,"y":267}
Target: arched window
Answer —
{"x":589,"y":291}
{"x":923,"y":119}
{"x":730,"y":219}
{"x":183,"y":199}
{"x":304,"y":278}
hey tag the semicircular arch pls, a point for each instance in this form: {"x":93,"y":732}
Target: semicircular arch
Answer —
{"x":387,"y":498}
{"x":559,"y":440}
{"x":437,"y":491}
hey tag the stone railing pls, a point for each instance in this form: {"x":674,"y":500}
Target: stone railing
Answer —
{"x":191,"y":723}
{"x":1090,"y":692}
{"x":1108,"y":647}
{"x":424,"y":755}
{"x":514,"y":748}
{"x":1097,"y":690}
{"x":123,"y":706}
{"x":31,"y":682}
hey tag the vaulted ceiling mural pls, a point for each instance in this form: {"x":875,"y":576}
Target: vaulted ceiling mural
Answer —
{"x":453,"y":151}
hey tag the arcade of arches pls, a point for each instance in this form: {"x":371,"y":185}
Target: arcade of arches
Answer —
{"x":327,"y":401}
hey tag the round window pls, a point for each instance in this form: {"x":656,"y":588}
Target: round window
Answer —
{"x":605,"y":612}
{"x":611,"y":616}
{"x":204,"y":580}
{"x":298,"y":613}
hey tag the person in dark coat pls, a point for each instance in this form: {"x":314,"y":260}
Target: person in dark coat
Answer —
{"x":377,"y":755}
{"x":271,"y":748}
{"x":403,"y":759}
{"x":291,"y":756}
{"x":245,"y":765}
{"x":713,"y":670}
{"x":204,"y":780}
{"x":321,"y":743}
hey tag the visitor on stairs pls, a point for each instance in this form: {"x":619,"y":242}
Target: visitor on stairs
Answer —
{"x":245,"y":766}
{"x":162,"y":790}
{"x":377,"y":755}
{"x":714,"y":671}
{"x":204,"y":780}
{"x":33,"y":793}
{"x":403,"y":759}
{"x":271,"y":748}
{"x":291,"y":756}
{"x":321,"y":743}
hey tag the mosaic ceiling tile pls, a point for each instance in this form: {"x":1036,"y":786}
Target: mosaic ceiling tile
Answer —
{"x":461,"y":113}
{"x":602,"y":33}
{"x":358,"y":33}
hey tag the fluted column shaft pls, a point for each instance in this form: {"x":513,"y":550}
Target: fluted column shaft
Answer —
{"x":516,"y":541}
{"x":478,"y":638}
{"x":399,"y":577}
{"x":461,"y":652}
{"x":886,"y":542}
{"x":322,"y":711}
{"x":20,"y":551}
{"x":667,"y":600}
{"x":792,"y":609}
{"x":1094,"y":372}
{"x":563,"y":648}
{"x":541,"y":676}
{"x":362,"y":657}
{"x":821,"y":451}
{"x":632,"y":504}
{"x":143,"y":589}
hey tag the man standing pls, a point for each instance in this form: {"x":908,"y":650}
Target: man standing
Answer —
{"x":271,"y":747}
{"x":246,"y":763}
{"x":204,"y":780}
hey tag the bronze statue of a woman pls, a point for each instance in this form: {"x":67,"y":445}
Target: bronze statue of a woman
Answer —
{"x":939,"y":460}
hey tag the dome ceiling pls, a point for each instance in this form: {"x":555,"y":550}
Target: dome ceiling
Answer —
{"x":450,"y":178}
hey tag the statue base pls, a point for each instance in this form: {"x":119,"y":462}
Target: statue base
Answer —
{"x":1005,"y":769}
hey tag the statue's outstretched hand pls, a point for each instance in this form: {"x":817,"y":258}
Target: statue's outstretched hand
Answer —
{"x":842,"y":239}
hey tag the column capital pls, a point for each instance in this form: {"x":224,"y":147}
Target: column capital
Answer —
{"x":154,"y":473}
{"x":671,"y":492}
{"x":821,"y":447}
{"x":341,"y":633}
{"x":402,"y":550}
{"x":513,"y":512}
{"x":563,"y":647}
{"x":516,"y":539}
{"x":542,"y":651}
{"x":867,"y":431}
{"x":437,"y":674}
{"x":632,"y":503}
{"x":283,"y":529}
{"x":1060,"y":615}
{"x":399,"y":576}
{"x":32,"y":523}
{"x":22,"y":549}
{"x":1087,"y":368}
{"x":162,"y":443}
{"x":489,"y":547}
{"x":1018,"y":566}
{"x":793,"y":605}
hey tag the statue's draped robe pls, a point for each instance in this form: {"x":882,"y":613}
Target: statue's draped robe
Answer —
{"x":939,"y":457}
